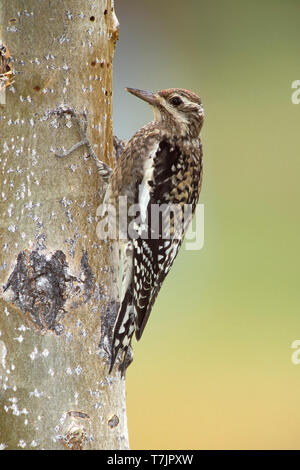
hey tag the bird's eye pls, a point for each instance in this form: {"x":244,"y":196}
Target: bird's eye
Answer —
{"x":176,"y":101}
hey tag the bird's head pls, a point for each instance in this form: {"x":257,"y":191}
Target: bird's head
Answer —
{"x":177,"y":108}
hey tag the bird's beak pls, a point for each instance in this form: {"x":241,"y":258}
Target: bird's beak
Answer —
{"x":147,"y":96}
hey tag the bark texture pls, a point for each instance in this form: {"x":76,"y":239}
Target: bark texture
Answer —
{"x":57,"y":279}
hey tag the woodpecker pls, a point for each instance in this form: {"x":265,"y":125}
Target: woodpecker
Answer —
{"x":6,"y":71}
{"x":161,"y":166}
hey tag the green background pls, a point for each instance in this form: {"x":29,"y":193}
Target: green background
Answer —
{"x":213,"y":369}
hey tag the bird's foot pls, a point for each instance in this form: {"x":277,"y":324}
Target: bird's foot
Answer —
{"x":119,"y":146}
{"x":82,"y":123}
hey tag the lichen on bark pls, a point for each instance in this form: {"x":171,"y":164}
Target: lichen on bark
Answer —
{"x":58,"y":279}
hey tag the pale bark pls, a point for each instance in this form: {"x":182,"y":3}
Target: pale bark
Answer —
{"x":58,"y":281}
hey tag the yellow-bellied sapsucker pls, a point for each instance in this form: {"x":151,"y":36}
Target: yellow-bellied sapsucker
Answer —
{"x":160,"y":167}
{"x":159,"y":172}
{"x":6,"y":70}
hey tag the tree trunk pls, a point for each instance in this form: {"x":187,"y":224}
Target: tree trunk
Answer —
{"x":58,"y":280}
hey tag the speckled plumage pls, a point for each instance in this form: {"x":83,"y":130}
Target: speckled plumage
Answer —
{"x":6,"y":71}
{"x":160,"y":165}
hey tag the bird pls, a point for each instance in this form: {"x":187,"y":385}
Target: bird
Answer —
{"x":6,"y":70}
{"x":158,"y":173}
{"x":159,"y":168}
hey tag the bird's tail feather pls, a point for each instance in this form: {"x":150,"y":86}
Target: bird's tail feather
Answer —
{"x":123,"y":330}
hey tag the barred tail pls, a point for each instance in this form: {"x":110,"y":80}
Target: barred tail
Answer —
{"x":123,"y":331}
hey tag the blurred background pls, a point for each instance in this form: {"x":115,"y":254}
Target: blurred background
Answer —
{"x":214,"y":369}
